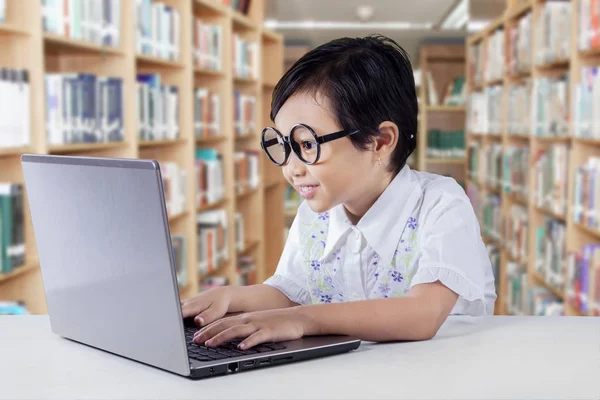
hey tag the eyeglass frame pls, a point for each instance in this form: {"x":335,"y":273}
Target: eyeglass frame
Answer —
{"x":289,"y":147}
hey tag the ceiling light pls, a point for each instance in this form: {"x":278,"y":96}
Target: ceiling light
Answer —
{"x":458,"y":17}
{"x":332,"y":25}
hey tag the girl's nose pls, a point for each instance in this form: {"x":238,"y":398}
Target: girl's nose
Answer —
{"x":294,"y":166}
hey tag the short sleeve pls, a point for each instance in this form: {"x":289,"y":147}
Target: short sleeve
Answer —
{"x":452,"y":252}
{"x":289,"y":276}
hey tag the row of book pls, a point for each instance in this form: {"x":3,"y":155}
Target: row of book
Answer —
{"x":515,"y":171}
{"x":524,"y":300}
{"x":550,"y":178}
{"x":455,"y":93}
{"x":445,"y":144}
{"x":553,"y":32}
{"x":587,"y":104}
{"x":12,"y":307}
{"x":174,"y":184}
{"x":95,"y":21}
{"x":492,"y":217}
{"x":519,"y":50}
{"x":2,"y":10}
{"x":551,"y":252}
{"x":83,"y":108}
{"x":239,"y":232}
{"x":246,"y":271}
{"x":484,"y":164}
{"x":212,"y":233}
{"x":589,"y":24}
{"x":586,"y":191}
{"x":494,"y":255}
{"x":484,"y":111}
{"x":209,"y":175}
{"x":207,"y":113}
{"x":158,"y":108}
{"x":244,"y":113}
{"x":583,"y":279}
{"x":12,"y":227}
{"x":494,"y":57}
{"x":519,"y":111}
{"x":158,"y":30}
{"x":246,"y":174}
{"x":551,"y":113}
{"x":208,"y":45}
{"x":15,"y":126}
{"x":245,"y":58}
{"x":476,"y":60}
{"x":516,"y":225}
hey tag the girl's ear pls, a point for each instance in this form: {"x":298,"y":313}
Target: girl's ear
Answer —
{"x":387,"y":140}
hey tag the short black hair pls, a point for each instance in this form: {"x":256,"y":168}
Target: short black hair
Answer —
{"x":367,"y":80}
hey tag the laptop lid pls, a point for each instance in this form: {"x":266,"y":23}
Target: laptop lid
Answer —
{"x":104,"y":246}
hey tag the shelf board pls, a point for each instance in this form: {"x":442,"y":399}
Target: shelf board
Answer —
{"x":590,"y":53}
{"x":8,"y":28}
{"x":211,"y":140}
{"x":443,"y":108}
{"x":574,"y":311}
{"x":445,"y":160}
{"x":247,"y":193}
{"x":60,"y":44}
{"x":245,"y":137}
{"x":157,"y":61}
{"x":558,"y":64}
{"x":494,"y":82}
{"x":517,"y":198}
{"x":220,"y":268}
{"x":552,"y":139}
{"x":81,"y":147}
{"x":271,"y":36}
{"x":178,"y":217}
{"x":591,"y":231}
{"x":211,"y":6}
{"x":269,"y":85}
{"x":207,"y":71}
{"x":492,"y":189}
{"x":249,"y":247}
{"x":548,"y":286}
{"x":211,"y":206}
{"x":520,"y":75}
{"x":161,"y":143}
{"x":242,"y":22}
{"x":518,"y":136}
{"x":513,"y":259}
{"x":244,"y":80}
{"x":15,"y":151}
{"x":551,"y":213}
{"x":23,"y":269}
{"x":587,"y":141}
{"x":273,"y":185}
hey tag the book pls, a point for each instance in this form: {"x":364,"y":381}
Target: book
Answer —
{"x":494,"y":256}
{"x":209,"y":176}
{"x":246,"y":271}
{"x":550,"y":252}
{"x":212,"y":232}
{"x":516,"y":233}
{"x":246,"y":55}
{"x":207,"y":113}
{"x":456,"y":92}
{"x":12,"y":226}
{"x":158,"y":30}
{"x":492,"y":155}
{"x":519,"y":113}
{"x":492,"y":216}
{"x":583,"y":279}
{"x":550,"y":178}
{"x":484,"y":111}
{"x":244,"y":113}
{"x":240,"y":241}
{"x":550,"y":108}
{"x":83,"y":108}
{"x":246,"y":173}
{"x":519,"y":51}
{"x":589,"y":25}
{"x":158,"y":108}
{"x":553,"y":32}
{"x":586,"y":189}
{"x":208,"y":45}
{"x":515,"y":171}
{"x":445,"y":144}
{"x":95,"y":21}
{"x":174,"y":184}
{"x":587,"y":104}
{"x":476,"y":60}
{"x":15,"y":126}
{"x":494,"y":57}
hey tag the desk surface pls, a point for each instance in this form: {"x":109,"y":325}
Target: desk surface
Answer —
{"x":494,"y":357}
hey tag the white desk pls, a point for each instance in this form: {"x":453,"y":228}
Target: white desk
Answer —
{"x":496,"y":357}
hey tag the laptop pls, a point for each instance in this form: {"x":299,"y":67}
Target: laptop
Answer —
{"x":104,"y":247}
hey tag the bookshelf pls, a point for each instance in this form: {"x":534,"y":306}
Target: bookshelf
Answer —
{"x":531,"y":105}
{"x":25,"y":44}
{"x":440,"y":140}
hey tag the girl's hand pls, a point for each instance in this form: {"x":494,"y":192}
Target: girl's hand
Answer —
{"x":207,"y":307}
{"x":256,"y":327}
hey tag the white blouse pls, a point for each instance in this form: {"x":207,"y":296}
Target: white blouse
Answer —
{"x":421,"y":229}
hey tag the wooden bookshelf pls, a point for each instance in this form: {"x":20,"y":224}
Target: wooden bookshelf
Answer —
{"x":577,"y":235}
{"x":443,"y":63}
{"x":24,"y":44}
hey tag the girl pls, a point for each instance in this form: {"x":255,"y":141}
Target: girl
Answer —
{"x":376,"y":251}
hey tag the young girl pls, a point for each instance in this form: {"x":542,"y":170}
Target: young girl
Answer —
{"x":376,"y":251}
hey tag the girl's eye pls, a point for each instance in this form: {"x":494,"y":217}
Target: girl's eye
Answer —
{"x":306,"y":145}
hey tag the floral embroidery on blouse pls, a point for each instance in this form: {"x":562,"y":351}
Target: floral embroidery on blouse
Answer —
{"x":324,"y":277}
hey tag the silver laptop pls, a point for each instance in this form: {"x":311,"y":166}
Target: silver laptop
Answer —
{"x":104,"y":247}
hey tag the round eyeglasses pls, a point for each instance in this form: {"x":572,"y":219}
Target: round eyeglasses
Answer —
{"x":302,"y":140}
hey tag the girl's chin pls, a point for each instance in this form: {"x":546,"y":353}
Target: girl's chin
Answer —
{"x":318,"y":206}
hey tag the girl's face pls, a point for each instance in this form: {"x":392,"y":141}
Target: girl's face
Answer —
{"x":344,"y":174}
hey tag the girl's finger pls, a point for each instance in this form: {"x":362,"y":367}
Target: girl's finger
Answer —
{"x":193,"y":308}
{"x":258,"y":337}
{"x":235,"y":332}
{"x":214,"y":329}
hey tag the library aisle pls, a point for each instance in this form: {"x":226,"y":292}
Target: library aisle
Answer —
{"x":155,"y":80}
{"x":533,"y":154}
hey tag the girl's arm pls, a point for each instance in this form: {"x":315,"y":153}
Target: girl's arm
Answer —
{"x":417,"y":316}
{"x":257,"y":298}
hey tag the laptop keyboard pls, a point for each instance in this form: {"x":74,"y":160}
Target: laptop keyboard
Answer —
{"x":227,"y":350}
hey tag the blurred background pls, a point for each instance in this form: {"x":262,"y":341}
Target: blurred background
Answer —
{"x":507,"y":108}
